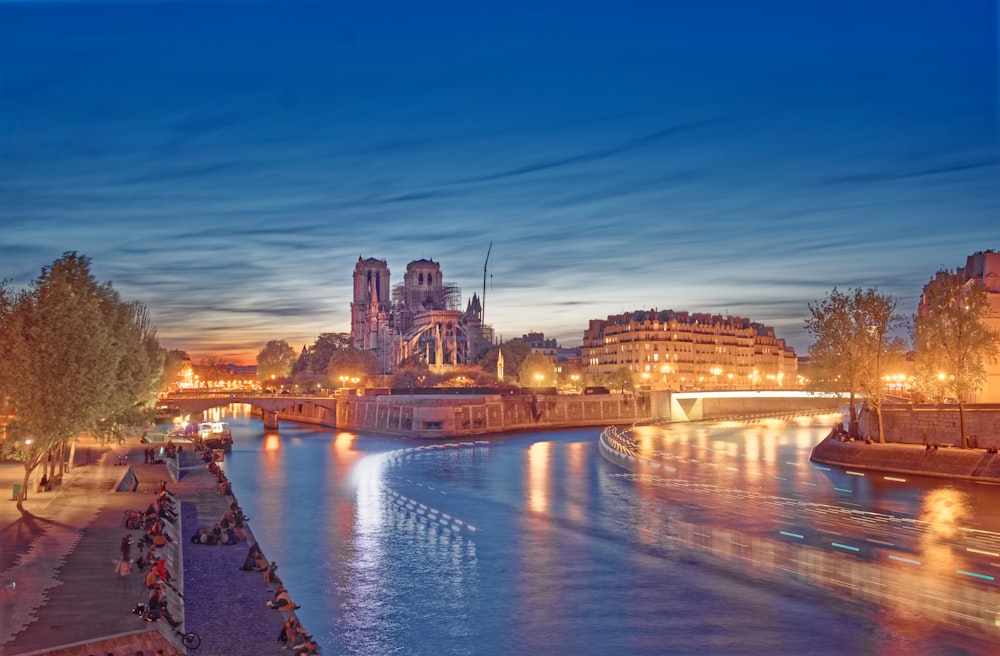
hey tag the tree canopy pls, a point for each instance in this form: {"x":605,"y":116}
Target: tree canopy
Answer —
{"x":852,"y":340}
{"x":275,"y":360}
{"x":536,"y":371}
{"x":350,"y":362}
{"x":83,"y":360}
{"x":953,"y":346}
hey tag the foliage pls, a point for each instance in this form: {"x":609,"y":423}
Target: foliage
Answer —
{"x":415,"y":376}
{"x":350,"y":362}
{"x":173,"y":364}
{"x":514,"y":354}
{"x":275,"y":360}
{"x":83,"y":360}
{"x":851,"y":334}
{"x":953,"y":346}
{"x":620,"y":379}
{"x":316,"y":359}
{"x":536,"y":370}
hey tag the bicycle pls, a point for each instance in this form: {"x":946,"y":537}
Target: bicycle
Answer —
{"x":134,"y":520}
{"x":190,"y":639}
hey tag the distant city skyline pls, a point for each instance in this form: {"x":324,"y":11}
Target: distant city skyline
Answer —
{"x":226,"y":163}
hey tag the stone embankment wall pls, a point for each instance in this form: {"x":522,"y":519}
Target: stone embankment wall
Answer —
{"x":947,"y":462}
{"x":935,"y":424}
{"x":482,"y":414}
{"x":436,"y":416}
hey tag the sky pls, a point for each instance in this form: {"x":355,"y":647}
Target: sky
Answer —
{"x":227,"y":163}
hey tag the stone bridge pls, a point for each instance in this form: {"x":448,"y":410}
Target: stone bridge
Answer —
{"x":269,"y":404}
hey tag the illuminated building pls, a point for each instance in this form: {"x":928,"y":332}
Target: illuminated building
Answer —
{"x":681,"y":350}
{"x":984,"y":267}
{"x":419,"y":322}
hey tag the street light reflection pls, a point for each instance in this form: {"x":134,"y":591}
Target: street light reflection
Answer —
{"x":539,"y":460}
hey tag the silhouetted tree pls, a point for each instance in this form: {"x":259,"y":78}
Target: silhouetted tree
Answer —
{"x":275,"y":359}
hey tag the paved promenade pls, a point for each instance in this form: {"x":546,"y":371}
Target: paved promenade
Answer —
{"x":60,"y":594}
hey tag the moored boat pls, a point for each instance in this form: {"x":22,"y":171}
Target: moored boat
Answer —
{"x":216,"y":435}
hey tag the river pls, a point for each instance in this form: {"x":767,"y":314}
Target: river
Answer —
{"x":533,"y":543}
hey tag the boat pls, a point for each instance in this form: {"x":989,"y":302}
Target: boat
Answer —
{"x":216,"y":435}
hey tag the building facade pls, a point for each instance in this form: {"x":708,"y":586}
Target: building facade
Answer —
{"x":418,"y":321}
{"x":984,"y":267}
{"x":682,"y":351}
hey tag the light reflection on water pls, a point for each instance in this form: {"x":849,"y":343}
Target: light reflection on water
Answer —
{"x":556,"y":552}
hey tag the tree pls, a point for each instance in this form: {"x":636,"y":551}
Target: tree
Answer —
{"x":173,"y":364}
{"x":514,"y":354}
{"x":316,"y":359}
{"x":275,"y":360}
{"x":620,"y":379}
{"x":409,"y":377}
{"x":536,"y":371}
{"x":851,"y":333}
{"x":880,"y":349}
{"x":79,"y":356}
{"x":350,"y":362}
{"x":953,"y":346}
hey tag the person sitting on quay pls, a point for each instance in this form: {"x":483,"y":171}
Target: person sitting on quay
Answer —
{"x":157,"y":607}
{"x":164,"y":504}
{"x":204,"y":536}
{"x":151,"y":580}
{"x":282,"y":600}
{"x":270,"y":574}
{"x":237,"y":513}
{"x":255,"y":560}
{"x":307,"y":647}
{"x":290,"y":631}
{"x":155,"y":536}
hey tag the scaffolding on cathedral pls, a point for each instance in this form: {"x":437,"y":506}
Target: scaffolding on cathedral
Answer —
{"x":408,"y":302}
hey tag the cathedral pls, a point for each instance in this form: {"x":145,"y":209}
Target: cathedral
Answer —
{"x":417,"y":321}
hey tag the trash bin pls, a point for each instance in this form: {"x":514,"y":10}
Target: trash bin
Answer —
{"x":16,"y":492}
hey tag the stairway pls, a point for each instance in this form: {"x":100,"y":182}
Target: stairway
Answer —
{"x":983,"y":464}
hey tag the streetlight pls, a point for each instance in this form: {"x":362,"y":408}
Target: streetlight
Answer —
{"x":538,"y":379}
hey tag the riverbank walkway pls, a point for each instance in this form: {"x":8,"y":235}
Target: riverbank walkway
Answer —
{"x":60,"y":594}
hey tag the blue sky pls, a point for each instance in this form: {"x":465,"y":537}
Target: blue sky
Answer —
{"x":227,"y":163}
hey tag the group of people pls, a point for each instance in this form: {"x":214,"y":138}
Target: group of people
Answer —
{"x":231,"y":527}
{"x":294,"y":637}
{"x":168,"y":450}
{"x":149,"y":557}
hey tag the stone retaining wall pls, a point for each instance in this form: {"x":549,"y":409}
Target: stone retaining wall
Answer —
{"x":481,"y":414}
{"x":935,"y":423}
{"x":948,"y":462}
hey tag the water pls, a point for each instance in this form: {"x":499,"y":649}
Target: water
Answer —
{"x":534,"y":544}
